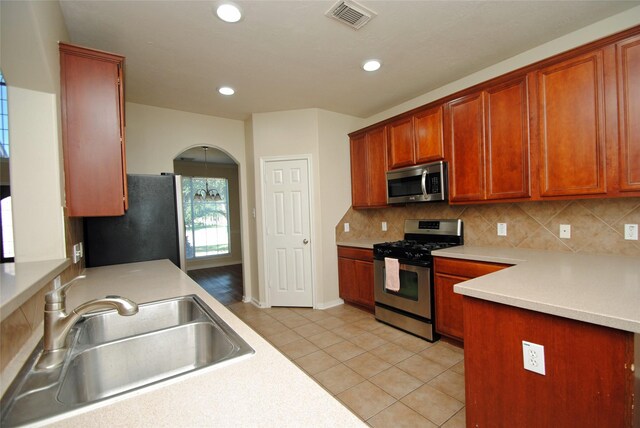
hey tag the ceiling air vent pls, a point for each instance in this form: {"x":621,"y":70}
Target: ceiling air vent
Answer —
{"x":350,"y":13}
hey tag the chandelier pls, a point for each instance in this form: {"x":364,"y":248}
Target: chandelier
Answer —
{"x":206,"y":194}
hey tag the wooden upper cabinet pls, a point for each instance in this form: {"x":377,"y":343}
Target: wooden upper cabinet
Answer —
{"x":489,"y":142}
{"x":572,"y":128}
{"x":428,"y":135}
{"x":93,"y":132}
{"x":628,"y":68}
{"x":401,"y":146}
{"x":359,"y":183}
{"x":416,"y":139}
{"x":466,"y":160}
{"x":368,"y":169}
{"x":507,"y":141}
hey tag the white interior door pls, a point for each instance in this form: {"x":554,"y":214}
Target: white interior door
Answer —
{"x":287,"y":240}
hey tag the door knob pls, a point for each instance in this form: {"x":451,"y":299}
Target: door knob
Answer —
{"x":305,"y":241}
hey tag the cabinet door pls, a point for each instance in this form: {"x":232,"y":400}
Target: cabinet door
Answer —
{"x":507,"y":141}
{"x":466,"y":133}
{"x":628,"y":64}
{"x":92,"y":132}
{"x":347,"y":279}
{"x":401,"y":147}
{"x":572,"y":133}
{"x":359,"y":182}
{"x":449,"y":316}
{"x":428,"y":136}
{"x":364,"y":279}
{"x":377,"y":167}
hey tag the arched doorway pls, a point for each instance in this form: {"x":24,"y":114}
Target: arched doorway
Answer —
{"x":211,"y":201}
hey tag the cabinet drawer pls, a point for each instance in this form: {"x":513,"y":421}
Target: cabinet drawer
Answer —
{"x":356,"y":253}
{"x":466,"y":268}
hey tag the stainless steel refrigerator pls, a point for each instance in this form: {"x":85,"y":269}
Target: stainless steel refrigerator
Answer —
{"x":151,"y":229}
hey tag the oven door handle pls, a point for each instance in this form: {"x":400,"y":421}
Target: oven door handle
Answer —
{"x":424,"y":182}
{"x":413,"y":268}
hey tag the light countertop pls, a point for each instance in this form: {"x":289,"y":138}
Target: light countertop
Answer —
{"x":264,"y":389}
{"x":360,"y":243}
{"x":599,"y":289}
{"x":20,"y":281}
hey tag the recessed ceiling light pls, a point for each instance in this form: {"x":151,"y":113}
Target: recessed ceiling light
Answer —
{"x":229,"y":12}
{"x":371,"y":65}
{"x":226,"y":90}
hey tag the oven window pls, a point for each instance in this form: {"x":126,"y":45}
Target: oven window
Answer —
{"x":408,"y":285}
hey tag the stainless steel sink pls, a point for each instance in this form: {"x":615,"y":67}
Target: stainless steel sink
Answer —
{"x":110,"y":355}
{"x":108,"y":326}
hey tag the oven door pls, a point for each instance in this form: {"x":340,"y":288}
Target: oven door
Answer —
{"x":414,"y":295}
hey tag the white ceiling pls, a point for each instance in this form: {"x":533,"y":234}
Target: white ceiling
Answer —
{"x":287,"y":55}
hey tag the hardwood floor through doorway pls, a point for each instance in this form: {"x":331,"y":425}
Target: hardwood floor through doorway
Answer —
{"x":224,"y":282}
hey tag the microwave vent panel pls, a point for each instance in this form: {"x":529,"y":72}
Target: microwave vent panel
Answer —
{"x":350,"y":13}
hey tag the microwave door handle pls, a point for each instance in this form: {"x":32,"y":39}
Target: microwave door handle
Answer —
{"x":424,"y":182}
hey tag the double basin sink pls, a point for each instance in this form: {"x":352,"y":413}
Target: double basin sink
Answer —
{"x":109,"y":355}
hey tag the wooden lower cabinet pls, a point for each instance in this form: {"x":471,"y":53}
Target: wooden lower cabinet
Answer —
{"x":355,"y":276}
{"x":588,"y":380}
{"x":447,"y":273}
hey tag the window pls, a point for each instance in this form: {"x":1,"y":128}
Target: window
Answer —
{"x":6,"y":223}
{"x":206,"y":219}
{"x":4,"y":120}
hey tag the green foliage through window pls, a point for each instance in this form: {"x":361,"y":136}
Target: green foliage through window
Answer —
{"x":206,"y":221}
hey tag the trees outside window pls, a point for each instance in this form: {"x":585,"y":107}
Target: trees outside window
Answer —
{"x":207,"y":219}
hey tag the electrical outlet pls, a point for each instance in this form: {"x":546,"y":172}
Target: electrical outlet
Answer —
{"x":384,"y":226}
{"x":81,"y":248}
{"x":346,"y":227}
{"x":77,"y":253}
{"x":502,"y":229}
{"x":533,"y":356}
{"x":565,"y":231}
{"x":631,"y":232}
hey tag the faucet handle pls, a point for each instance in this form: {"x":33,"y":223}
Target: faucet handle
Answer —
{"x":58,"y":294}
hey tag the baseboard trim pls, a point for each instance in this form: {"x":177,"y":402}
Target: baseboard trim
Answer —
{"x":330,"y":304}
{"x":258,"y":304}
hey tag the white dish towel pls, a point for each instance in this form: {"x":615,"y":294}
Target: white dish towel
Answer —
{"x":392,"y":268}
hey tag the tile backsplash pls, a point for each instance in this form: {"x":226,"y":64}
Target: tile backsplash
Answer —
{"x":597,"y":225}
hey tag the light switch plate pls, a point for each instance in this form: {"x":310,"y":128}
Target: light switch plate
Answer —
{"x":565,"y":231}
{"x":502,"y":229}
{"x":533,"y":356}
{"x":346,"y":227}
{"x":384,"y":226}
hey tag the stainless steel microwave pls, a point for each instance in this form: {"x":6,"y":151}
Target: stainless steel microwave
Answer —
{"x":420,"y":183}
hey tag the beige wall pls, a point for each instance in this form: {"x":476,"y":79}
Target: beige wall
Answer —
{"x":38,"y":224}
{"x":29,"y":60}
{"x":323,"y":136}
{"x":249,"y":213}
{"x":335,"y":192}
{"x":230,"y":172}
{"x":600,"y":29}
{"x":155,"y":136}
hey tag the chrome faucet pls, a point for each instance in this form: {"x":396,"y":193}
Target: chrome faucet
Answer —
{"x":57,"y":323}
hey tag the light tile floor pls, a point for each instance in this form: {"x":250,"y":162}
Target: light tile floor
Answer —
{"x":385,"y":376}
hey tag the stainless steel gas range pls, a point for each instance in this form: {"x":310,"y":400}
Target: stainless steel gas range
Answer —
{"x":406,"y":301}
